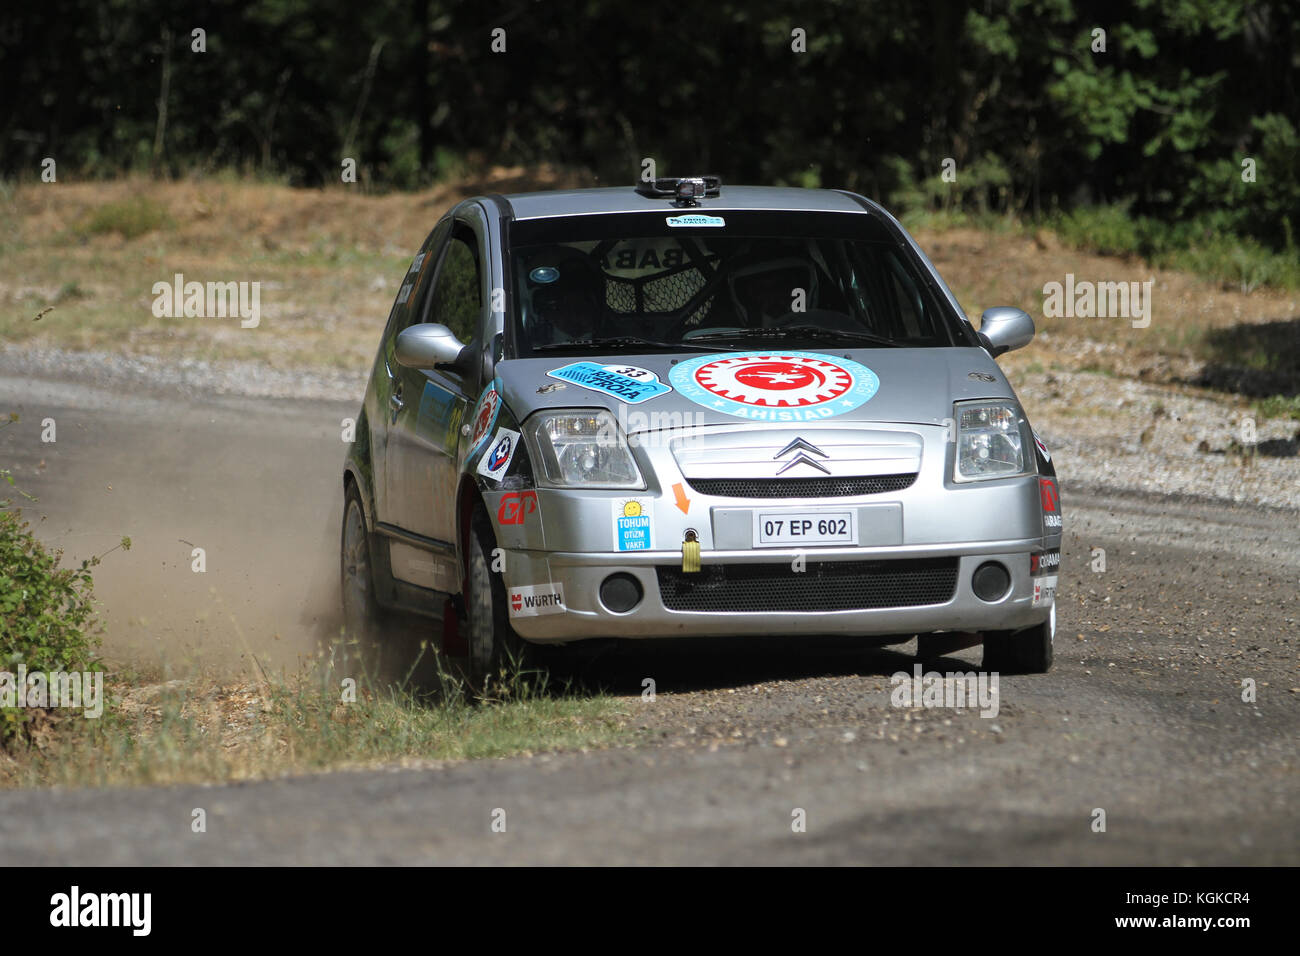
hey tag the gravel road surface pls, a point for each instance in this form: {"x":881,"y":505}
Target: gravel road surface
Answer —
{"x":1143,"y":716}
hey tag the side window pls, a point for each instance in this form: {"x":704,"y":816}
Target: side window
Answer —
{"x":457,"y":293}
{"x":415,"y":284}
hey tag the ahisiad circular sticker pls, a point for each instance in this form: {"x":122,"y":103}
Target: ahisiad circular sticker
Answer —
{"x":775,"y":386}
{"x":485,"y":416}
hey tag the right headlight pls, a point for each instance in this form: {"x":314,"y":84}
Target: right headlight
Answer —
{"x":990,"y":441}
{"x":582,"y":449}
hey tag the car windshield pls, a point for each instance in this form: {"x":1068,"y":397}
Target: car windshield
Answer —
{"x":638,"y":282}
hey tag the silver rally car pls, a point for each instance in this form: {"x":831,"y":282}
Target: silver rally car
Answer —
{"x":686,"y":409}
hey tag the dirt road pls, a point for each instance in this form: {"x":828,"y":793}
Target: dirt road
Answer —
{"x":1142,"y":717}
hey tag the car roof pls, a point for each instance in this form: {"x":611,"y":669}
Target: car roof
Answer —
{"x":585,"y":202}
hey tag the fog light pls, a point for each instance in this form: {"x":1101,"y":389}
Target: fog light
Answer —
{"x":620,"y":593}
{"x":991,"y":581}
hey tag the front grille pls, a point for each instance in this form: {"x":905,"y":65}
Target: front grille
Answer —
{"x":826,"y":586}
{"x":800,"y":487}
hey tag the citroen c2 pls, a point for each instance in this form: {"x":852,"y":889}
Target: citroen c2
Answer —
{"x":683,"y":409}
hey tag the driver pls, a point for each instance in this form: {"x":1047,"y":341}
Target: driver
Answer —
{"x":766,"y":291}
{"x":568,"y":299}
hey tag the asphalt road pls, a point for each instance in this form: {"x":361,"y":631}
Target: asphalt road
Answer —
{"x":1142,"y":717}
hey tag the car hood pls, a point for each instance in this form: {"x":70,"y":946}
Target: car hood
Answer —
{"x":651,"y":392}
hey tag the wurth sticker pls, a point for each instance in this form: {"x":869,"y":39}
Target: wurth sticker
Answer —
{"x":775,"y":386}
{"x":535,"y":600}
{"x":1044,"y":590}
{"x":1042,"y":448}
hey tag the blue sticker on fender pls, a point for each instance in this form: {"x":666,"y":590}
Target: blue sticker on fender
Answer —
{"x":775,"y":386}
{"x":627,"y":383}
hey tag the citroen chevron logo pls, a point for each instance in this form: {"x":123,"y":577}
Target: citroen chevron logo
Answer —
{"x":803,"y":448}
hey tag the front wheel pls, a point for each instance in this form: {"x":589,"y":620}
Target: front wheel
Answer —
{"x":363,"y":617}
{"x":1021,"y":652}
{"x":497,"y":655}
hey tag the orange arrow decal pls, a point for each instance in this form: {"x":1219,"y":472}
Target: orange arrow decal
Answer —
{"x":682,"y":501}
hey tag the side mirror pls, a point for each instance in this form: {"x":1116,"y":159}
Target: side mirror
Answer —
{"x":1004,"y":328}
{"x":428,"y":346}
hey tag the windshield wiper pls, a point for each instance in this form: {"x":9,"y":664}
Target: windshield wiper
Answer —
{"x":800,"y":331}
{"x":621,"y":341}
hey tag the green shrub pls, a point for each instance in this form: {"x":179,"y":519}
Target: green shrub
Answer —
{"x":1108,"y":230}
{"x":46,"y":612}
{"x":1238,"y":262}
{"x":131,"y":217}
{"x":1279,"y":406}
{"x":1203,"y":247}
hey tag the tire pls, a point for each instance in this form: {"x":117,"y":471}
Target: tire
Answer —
{"x":1021,"y":652}
{"x":497,"y":654}
{"x":364,"y":619}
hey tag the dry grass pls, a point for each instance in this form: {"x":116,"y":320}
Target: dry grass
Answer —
{"x":85,"y":256}
{"x":1193,"y":321}
{"x":201,"y":730}
{"x":329,"y":262}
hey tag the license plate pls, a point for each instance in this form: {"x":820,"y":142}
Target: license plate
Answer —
{"x":808,"y":529}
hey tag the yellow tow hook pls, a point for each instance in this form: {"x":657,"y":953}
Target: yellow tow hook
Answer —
{"x":691,"y":551}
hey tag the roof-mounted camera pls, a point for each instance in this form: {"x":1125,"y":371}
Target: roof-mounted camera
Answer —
{"x":685,"y":191}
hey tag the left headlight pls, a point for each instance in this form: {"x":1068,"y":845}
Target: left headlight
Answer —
{"x":582,"y":449}
{"x":990,"y":441}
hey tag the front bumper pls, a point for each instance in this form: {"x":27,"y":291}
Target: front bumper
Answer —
{"x":580,"y":576}
{"x":567,"y":540}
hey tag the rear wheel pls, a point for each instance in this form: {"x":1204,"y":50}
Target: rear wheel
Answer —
{"x":497,"y":655}
{"x":1021,"y":652}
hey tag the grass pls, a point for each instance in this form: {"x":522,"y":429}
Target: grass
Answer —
{"x":1103,"y":370}
{"x":329,"y":263}
{"x":1233,"y":262}
{"x":84,"y":258}
{"x":204,"y":731}
{"x":1279,"y":406}
{"x":130,"y":218}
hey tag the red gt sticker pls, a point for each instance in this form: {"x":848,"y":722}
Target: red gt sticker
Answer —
{"x":516,"y":506}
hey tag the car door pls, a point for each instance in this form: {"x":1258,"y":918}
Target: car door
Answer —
{"x":428,"y":410}
{"x":385,"y":399}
